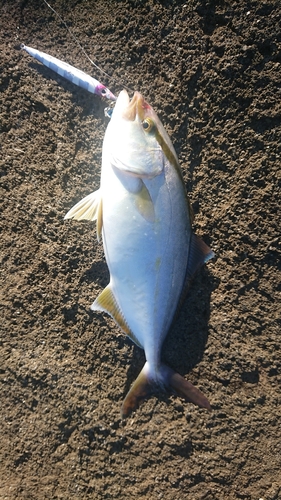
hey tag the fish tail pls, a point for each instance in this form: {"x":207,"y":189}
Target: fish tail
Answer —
{"x":178,"y":385}
{"x":145,"y":384}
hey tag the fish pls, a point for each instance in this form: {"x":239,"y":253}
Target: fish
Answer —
{"x":144,"y":218}
{"x":74,"y":75}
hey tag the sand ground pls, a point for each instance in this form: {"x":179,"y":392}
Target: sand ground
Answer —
{"x":211,"y":70}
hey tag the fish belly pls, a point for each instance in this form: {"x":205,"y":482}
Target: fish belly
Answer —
{"x":147,"y":260}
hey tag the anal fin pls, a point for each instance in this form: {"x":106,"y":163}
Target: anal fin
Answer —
{"x":107,"y":302}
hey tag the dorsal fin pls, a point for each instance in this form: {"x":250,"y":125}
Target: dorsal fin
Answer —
{"x":199,"y":254}
{"x":89,"y":208}
{"x":107,"y":302}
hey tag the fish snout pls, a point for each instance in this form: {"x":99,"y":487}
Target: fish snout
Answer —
{"x":136,"y":108}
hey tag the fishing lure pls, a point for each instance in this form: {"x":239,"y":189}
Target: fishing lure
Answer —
{"x":71,"y":73}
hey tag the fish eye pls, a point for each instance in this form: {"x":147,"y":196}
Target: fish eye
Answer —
{"x":103,"y":91}
{"x":147,"y":125}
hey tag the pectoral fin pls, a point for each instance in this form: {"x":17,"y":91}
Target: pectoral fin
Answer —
{"x":89,"y":208}
{"x":107,"y":302}
{"x":144,"y":204}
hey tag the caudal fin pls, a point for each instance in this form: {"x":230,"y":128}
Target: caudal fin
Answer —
{"x":167,"y":378}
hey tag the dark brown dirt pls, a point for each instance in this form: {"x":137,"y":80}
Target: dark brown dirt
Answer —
{"x":212,"y":71}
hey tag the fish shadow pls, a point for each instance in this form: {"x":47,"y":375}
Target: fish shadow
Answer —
{"x":98,"y":273}
{"x":185,"y":343}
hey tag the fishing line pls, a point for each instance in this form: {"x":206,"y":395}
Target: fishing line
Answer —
{"x":83,"y":50}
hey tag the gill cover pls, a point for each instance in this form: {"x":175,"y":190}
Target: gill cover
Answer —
{"x":134,"y":132}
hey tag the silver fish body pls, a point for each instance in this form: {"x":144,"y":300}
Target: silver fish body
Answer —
{"x":146,"y":253}
{"x":143,"y":214}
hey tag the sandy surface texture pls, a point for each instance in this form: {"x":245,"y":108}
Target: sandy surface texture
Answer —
{"x":211,"y":70}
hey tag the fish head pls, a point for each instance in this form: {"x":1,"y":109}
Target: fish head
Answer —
{"x":136,"y":139}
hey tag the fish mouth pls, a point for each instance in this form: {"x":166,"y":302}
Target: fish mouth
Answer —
{"x":138,"y":107}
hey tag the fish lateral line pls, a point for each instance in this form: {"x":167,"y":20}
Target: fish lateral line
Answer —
{"x":82,"y":48}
